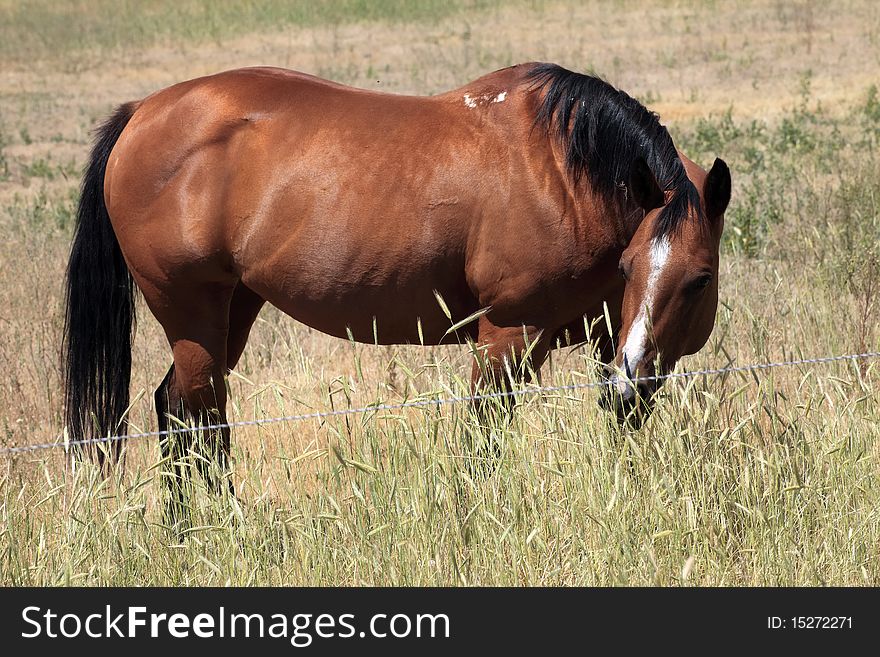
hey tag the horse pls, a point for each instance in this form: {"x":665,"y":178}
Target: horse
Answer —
{"x":535,"y":199}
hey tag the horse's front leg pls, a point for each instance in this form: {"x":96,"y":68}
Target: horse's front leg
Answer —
{"x":506,"y":356}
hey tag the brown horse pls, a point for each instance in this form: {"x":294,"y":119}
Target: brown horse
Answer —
{"x":537,"y":194}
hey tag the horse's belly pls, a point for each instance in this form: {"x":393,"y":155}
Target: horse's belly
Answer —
{"x":380,"y":302}
{"x":373,"y":315}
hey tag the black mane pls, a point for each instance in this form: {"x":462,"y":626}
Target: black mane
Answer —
{"x":604,"y":130}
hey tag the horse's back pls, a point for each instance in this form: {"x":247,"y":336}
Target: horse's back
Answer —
{"x":253,"y":126}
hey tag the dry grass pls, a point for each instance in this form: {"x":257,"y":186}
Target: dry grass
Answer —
{"x":767,"y":481}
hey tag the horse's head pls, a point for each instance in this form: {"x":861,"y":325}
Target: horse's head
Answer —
{"x":671,"y":289}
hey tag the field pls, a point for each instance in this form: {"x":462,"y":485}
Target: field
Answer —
{"x":737,"y":479}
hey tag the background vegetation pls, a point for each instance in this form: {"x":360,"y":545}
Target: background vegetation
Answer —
{"x":736,"y":479}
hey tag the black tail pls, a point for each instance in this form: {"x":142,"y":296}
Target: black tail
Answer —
{"x":100,"y":314}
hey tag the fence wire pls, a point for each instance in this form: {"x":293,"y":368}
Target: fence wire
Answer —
{"x":62,"y":442}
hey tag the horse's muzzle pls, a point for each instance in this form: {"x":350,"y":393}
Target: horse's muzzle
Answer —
{"x":631,"y":403}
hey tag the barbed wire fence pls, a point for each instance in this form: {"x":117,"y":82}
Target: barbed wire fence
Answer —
{"x":62,"y":441}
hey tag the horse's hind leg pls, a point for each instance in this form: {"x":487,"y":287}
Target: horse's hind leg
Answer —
{"x":243,"y":310}
{"x":175,"y":479}
{"x":197,"y":327}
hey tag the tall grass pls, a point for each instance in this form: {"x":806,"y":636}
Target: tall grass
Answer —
{"x":760,"y":483}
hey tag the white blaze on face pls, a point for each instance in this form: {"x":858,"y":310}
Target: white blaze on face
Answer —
{"x":638,"y":338}
{"x":470,"y":102}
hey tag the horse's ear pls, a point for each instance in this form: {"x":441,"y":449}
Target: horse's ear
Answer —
{"x":643,"y":186}
{"x":716,"y":189}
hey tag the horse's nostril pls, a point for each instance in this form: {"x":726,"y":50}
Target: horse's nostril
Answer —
{"x":647,"y":390}
{"x":631,"y":402}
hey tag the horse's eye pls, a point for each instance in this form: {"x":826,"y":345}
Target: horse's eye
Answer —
{"x":701,"y":282}
{"x":622,"y":270}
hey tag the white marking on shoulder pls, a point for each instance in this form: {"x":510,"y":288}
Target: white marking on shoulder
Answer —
{"x":637,"y":340}
{"x":484,"y":99}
